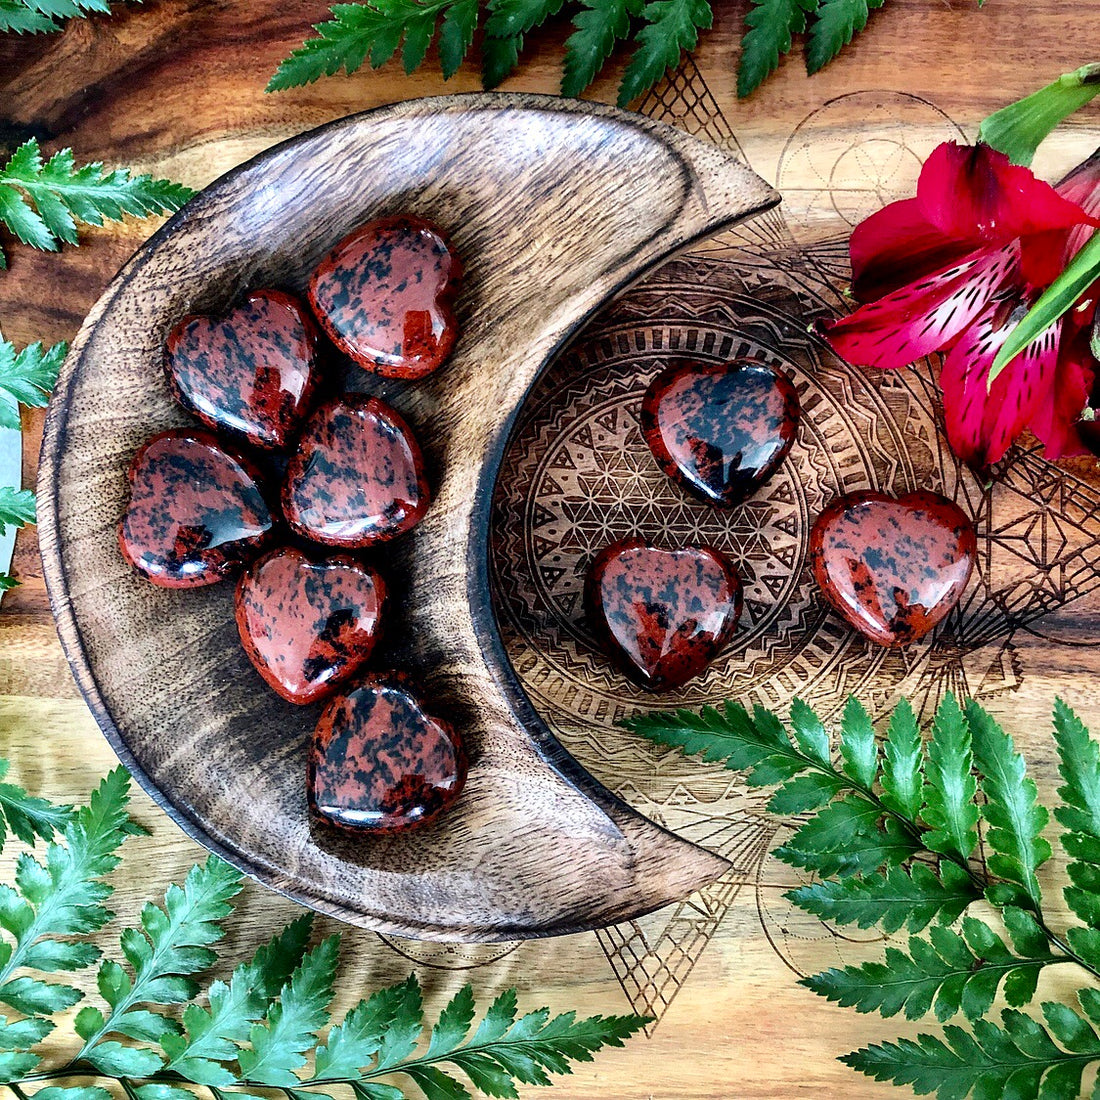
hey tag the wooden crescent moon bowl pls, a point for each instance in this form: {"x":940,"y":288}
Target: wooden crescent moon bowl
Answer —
{"x":554,"y":206}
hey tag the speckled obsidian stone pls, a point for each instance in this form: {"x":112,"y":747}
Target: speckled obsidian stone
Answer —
{"x":384,"y":296}
{"x":662,"y":615}
{"x":357,"y":477}
{"x":893,"y":567}
{"x":308,"y":626}
{"x":252,"y":372}
{"x":196,"y":510}
{"x":379,"y":763}
{"x":720,"y":430}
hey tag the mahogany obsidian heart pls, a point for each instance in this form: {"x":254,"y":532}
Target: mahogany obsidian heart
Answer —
{"x":720,"y":430}
{"x":893,"y":567}
{"x":196,"y":510}
{"x":378,"y":762}
{"x":384,"y":296}
{"x":357,"y":477}
{"x":308,"y":626}
{"x":252,"y":372}
{"x":663,"y":615}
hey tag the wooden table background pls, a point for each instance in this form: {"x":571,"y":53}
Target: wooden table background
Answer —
{"x":175,"y":87}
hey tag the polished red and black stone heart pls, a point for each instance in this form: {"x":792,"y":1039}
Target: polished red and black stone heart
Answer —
{"x":252,"y":372}
{"x":720,"y":430}
{"x":308,"y":626}
{"x":662,"y":615}
{"x":379,"y":762}
{"x":893,"y":567}
{"x":357,"y":477}
{"x":196,"y":510}
{"x":384,"y":295}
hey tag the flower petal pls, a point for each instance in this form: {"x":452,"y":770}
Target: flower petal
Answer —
{"x":1055,"y":421}
{"x":895,"y":246}
{"x":1081,"y":186}
{"x":923,"y":317}
{"x":982,"y":421}
{"x":972,"y":193}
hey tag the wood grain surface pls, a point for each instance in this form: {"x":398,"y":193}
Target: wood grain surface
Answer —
{"x":176,"y":88}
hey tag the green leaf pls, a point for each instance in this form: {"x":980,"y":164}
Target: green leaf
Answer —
{"x":805,"y":792}
{"x":43,"y":202}
{"x":837,"y":23}
{"x":213,"y":1034}
{"x":947,"y":972}
{"x":755,"y":744}
{"x":1018,"y":129}
{"x":809,"y":733}
{"x":499,"y":56}
{"x":845,"y":838}
{"x":76,"y":1092}
{"x":912,"y":897}
{"x":456,"y":35}
{"x":28,"y":817}
{"x":770,"y":25}
{"x":371,"y":32}
{"x":994,"y":1062}
{"x":950,"y":810}
{"x":857,"y":744}
{"x":16,"y":17}
{"x":902,"y":779}
{"x":1079,"y":758}
{"x":15,"y":1064}
{"x":454,"y":1023}
{"x":599,"y":25}
{"x":64,"y":896}
{"x":404,"y":1030}
{"x":120,"y":1061}
{"x":277,"y":1045}
{"x":353,"y":1043}
{"x":16,"y":508}
{"x":670,"y":27}
{"x":1016,"y":820}
{"x":172,"y":944}
{"x":1079,"y":274}
{"x":437,"y":1085}
{"x":27,"y":377}
{"x":23,"y":1034}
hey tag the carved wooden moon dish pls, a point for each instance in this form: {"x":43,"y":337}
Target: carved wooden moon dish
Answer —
{"x":553,"y":206}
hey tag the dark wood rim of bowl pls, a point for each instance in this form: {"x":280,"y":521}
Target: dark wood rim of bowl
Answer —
{"x":478,"y":586}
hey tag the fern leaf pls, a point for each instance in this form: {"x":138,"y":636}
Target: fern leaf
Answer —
{"x":946,"y":973}
{"x":770,"y":25}
{"x":898,"y":898}
{"x":17,"y":18}
{"x":278,"y":1044}
{"x":353,"y":1043}
{"x":950,"y":787}
{"x":212,"y":1035}
{"x":25,"y":815}
{"x":43,"y":202}
{"x":670,"y":27}
{"x":26,"y":378}
{"x":902,"y":778}
{"x":1016,"y":1059}
{"x":63,"y":897}
{"x":837,"y":23}
{"x":16,"y":508}
{"x":456,"y":35}
{"x":845,"y":838}
{"x":599,"y":25}
{"x":172,"y":944}
{"x":1012,"y":810}
{"x":857,"y":744}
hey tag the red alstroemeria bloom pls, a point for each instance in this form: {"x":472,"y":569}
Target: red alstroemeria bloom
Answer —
{"x":948,"y":271}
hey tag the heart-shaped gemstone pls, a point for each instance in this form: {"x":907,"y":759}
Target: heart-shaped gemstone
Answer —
{"x":252,"y":372}
{"x":893,"y":567}
{"x":720,"y":430}
{"x":378,"y":762}
{"x":663,"y":614}
{"x":308,"y":626}
{"x":357,"y":477}
{"x":384,"y":295}
{"x":196,"y":510}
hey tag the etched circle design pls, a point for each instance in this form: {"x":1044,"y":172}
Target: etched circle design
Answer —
{"x":578,"y":475}
{"x":448,"y":956}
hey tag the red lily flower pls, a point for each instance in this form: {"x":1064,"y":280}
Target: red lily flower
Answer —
{"x":947,"y":272}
